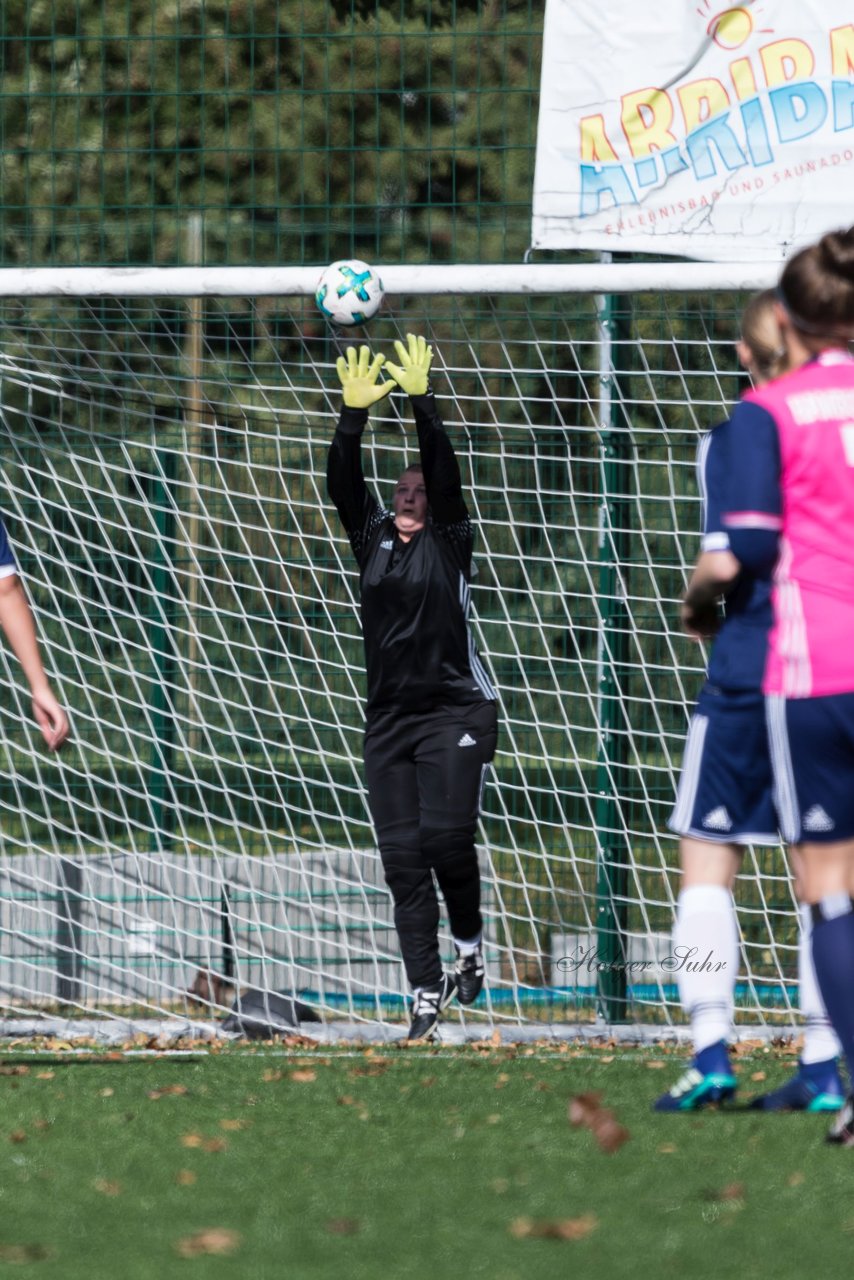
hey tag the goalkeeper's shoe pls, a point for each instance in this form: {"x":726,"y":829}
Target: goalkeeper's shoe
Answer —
{"x":468,"y":975}
{"x":815,"y":1087}
{"x":841,"y":1132}
{"x":695,"y":1089}
{"x":426,"y":1007}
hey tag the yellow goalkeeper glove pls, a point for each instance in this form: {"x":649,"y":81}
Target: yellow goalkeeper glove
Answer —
{"x":358,"y":375}
{"x":411,"y":375}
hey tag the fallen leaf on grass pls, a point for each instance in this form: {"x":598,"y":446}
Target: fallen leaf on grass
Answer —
{"x":795,"y":1179}
{"x":106,"y":1093}
{"x":107,"y":1188}
{"x":18,"y":1070}
{"x":231,"y":1126}
{"x":342,"y":1226}
{"x":168,"y":1091}
{"x":185,"y":1177}
{"x":554,"y":1228}
{"x":667,"y":1148}
{"x":742,"y":1047}
{"x":198,"y":1140}
{"x":731,"y":1192}
{"x":758,"y":1075}
{"x":586,"y":1110}
{"x":23,"y":1253}
{"x":45,"y":1075}
{"x":17,"y":1135}
{"x":655,"y":1064}
{"x":272,"y":1074}
{"x":346,"y":1100}
{"x":214,"y":1240}
{"x":303,"y":1076}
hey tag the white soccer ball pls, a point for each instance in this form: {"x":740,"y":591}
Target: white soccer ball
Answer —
{"x":349,"y":292}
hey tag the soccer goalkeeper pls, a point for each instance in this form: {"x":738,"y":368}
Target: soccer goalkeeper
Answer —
{"x":431,"y":708}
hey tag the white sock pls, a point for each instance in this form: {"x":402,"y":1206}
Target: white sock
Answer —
{"x":706,"y":937}
{"x":469,"y":946}
{"x":820,"y":1040}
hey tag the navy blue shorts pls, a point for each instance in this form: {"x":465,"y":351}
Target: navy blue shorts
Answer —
{"x":725,"y":791}
{"x":812,"y":752}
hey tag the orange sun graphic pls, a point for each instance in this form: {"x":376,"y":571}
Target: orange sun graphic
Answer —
{"x":731,"y":28}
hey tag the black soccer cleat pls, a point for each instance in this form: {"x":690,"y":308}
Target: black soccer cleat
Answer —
{"x":468,"y":973}
{"x":426,"y":1007}
{"x":841,"y":1132}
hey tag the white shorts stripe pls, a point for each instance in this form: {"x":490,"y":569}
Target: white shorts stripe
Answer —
{"x":686,"y":792}
{"x":785,"y":795}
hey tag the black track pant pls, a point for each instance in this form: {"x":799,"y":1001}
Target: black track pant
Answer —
{"x":425,"y":774}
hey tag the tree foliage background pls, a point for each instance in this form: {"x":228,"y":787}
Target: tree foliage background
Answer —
{"x":303,"y":130}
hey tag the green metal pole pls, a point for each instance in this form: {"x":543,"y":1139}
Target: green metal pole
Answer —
{"x":612,"y":864}
{"x":161,"y":790}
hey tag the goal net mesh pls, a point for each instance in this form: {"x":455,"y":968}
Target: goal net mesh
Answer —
{"x":205,"y":830}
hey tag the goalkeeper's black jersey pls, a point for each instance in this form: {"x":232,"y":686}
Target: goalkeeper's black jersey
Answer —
{"x":419,"y":650}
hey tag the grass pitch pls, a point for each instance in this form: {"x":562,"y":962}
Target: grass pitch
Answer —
{"x":405,"y":1163}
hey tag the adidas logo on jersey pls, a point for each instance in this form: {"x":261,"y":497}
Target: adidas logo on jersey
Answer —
{"x":467,"y":741}
{"x":718,"y":819}
{"x":815,"y":819}
{"x":387,"y":544}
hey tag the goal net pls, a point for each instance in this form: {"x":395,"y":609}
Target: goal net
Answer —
{"x":205,"y":830}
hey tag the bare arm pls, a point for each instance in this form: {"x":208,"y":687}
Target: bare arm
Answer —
{"x":714,"y":573}
{"x":18,"y":624}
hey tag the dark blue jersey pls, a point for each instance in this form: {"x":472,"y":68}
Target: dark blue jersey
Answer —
{"x":739,"y":650}
{"x":7,"y":558}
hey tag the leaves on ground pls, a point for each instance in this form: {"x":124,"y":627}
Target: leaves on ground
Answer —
{"x":216,"y":1240}
{"x":23,"y":1253}
{"x":200,"y":1142}
{"x":303,"y":1075}
{"x":731,"y":1193}
{"x":107,"y":1187}
{"x":554,"y":1228}
{"x":586,"y":1111}
{"x":342,"y":1226}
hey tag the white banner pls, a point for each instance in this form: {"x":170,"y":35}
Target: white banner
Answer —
{"x":679,"y":127}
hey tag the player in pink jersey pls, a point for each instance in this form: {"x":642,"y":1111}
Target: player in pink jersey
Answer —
{"x":724,"y":801}
{"x":790,"y":516}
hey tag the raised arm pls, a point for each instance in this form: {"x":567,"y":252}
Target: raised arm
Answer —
{"x":441,"y":469}
{"x":345,"y":480}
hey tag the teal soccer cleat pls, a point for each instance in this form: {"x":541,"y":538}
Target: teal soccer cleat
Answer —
{"x":694,"y":1090}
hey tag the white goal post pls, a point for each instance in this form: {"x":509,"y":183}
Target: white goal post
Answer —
{"x":205,"y":830}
